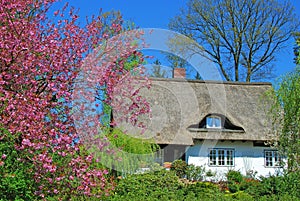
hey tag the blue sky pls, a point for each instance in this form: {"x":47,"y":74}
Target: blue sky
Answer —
{"x":157,"y":13}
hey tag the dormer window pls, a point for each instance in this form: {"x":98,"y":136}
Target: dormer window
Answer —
{"x":213,"y":122}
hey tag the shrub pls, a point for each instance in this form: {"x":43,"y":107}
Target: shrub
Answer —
{"x":249,"y":183}
{"x":203,"y":190}
{"x":233,"y":187}
{"x":240,"y":195}
{"x":284,"y":197}
{"x":155,"y":167}
{"x":161,"y":185}
{"x":180,"y":167}
{"x":16,"y":170}
{"x":210,"y":173}
{"x":235,"y":176}
{"x":291,"y":184}
{"x":277,"y":185}
{"x":19,"y":181}
{"x":195,"y":173}
{"x":165,"y":185}
{"x":130,"y":153}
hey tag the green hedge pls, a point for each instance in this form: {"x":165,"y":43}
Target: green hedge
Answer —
{"x":166,"y":185}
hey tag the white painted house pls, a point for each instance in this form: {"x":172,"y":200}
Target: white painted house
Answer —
{"x":219,"y":125}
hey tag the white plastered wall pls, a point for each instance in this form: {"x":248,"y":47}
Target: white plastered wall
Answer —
{"x":246,"y":157}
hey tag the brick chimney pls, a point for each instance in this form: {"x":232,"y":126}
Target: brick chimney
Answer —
{"x":179,"y":73}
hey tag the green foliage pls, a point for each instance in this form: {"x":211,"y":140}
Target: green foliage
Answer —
{"x":133,"y":61}
{"x":277,"y":185}
{"x":165,"y":185}
{"x":131,"y":144}
{"x":284,"y":197}
{"x":286,"y":118}
{"x":130,"y":153}
{"x":297,"y":48}
{"x":203,"y":189}
{"x":195,"y":173}
{"x":266,"y":187}
{"x":16,"y":170}
{"x":179,"y":167}
{"x":240,"y":195}
{"x":249,"y":183}
{"x":18,"y":180}
{"x":233,"y":187}
{"x":160,"y":185}
{"x":155,"y":167}
{"x":210,"y":173}
{"x":235,"y":176}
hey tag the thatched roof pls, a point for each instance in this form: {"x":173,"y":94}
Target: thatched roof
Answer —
{"x":179,"y":108}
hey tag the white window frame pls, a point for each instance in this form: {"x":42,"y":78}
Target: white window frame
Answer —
{"x":221,"y":157}
{"x":272,"y":158}
{"x":214,"y":120}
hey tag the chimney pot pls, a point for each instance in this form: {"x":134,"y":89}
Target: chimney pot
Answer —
{"x":179,"y":73}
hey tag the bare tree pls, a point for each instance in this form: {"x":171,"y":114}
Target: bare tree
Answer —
{"x":175,"y":61}
{"x":241,"y":36}
{"x":157,"y":70}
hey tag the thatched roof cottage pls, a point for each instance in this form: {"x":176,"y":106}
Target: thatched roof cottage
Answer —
{"x":218,"y":125}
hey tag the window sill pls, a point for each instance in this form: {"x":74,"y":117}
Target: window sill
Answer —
{"x":273,"y":166}
{"x":214,"y":130}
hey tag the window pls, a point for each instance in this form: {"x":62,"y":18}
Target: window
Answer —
{"x":272,"y":158}
{"x":221,"y":157}
{"x":213,"y":122}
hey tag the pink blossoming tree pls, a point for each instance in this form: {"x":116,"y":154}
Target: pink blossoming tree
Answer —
{"x":43,"y":61}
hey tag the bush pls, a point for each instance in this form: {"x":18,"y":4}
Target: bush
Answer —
{"x":283,"y":197}
{"x":203,"y":190}
{"x":130,"y":153}
{"x":165,"y":185}
{"x":277,"y":185}
{"x":210,"y":173}
{"x":240,"y":195}
{"x":233,"y":187}
{"x":249,"y":183}
{"x":18,"y":179}
{"x":161,"y":185}
{"x":180,"y":167}
{"x":16,"y":170}
{"x":291,"y":184}
{"x":234,"y":176}
{"x":195,"y":173}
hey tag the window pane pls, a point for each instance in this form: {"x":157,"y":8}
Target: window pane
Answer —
{"x":277,"y":159}
{"x":209,"y":122}
{"x":217,"y":122}
{"x":268,"y":158}
{"x":212,"y":157}
{"x":230,"y":157}
{"x":221,"y":157}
